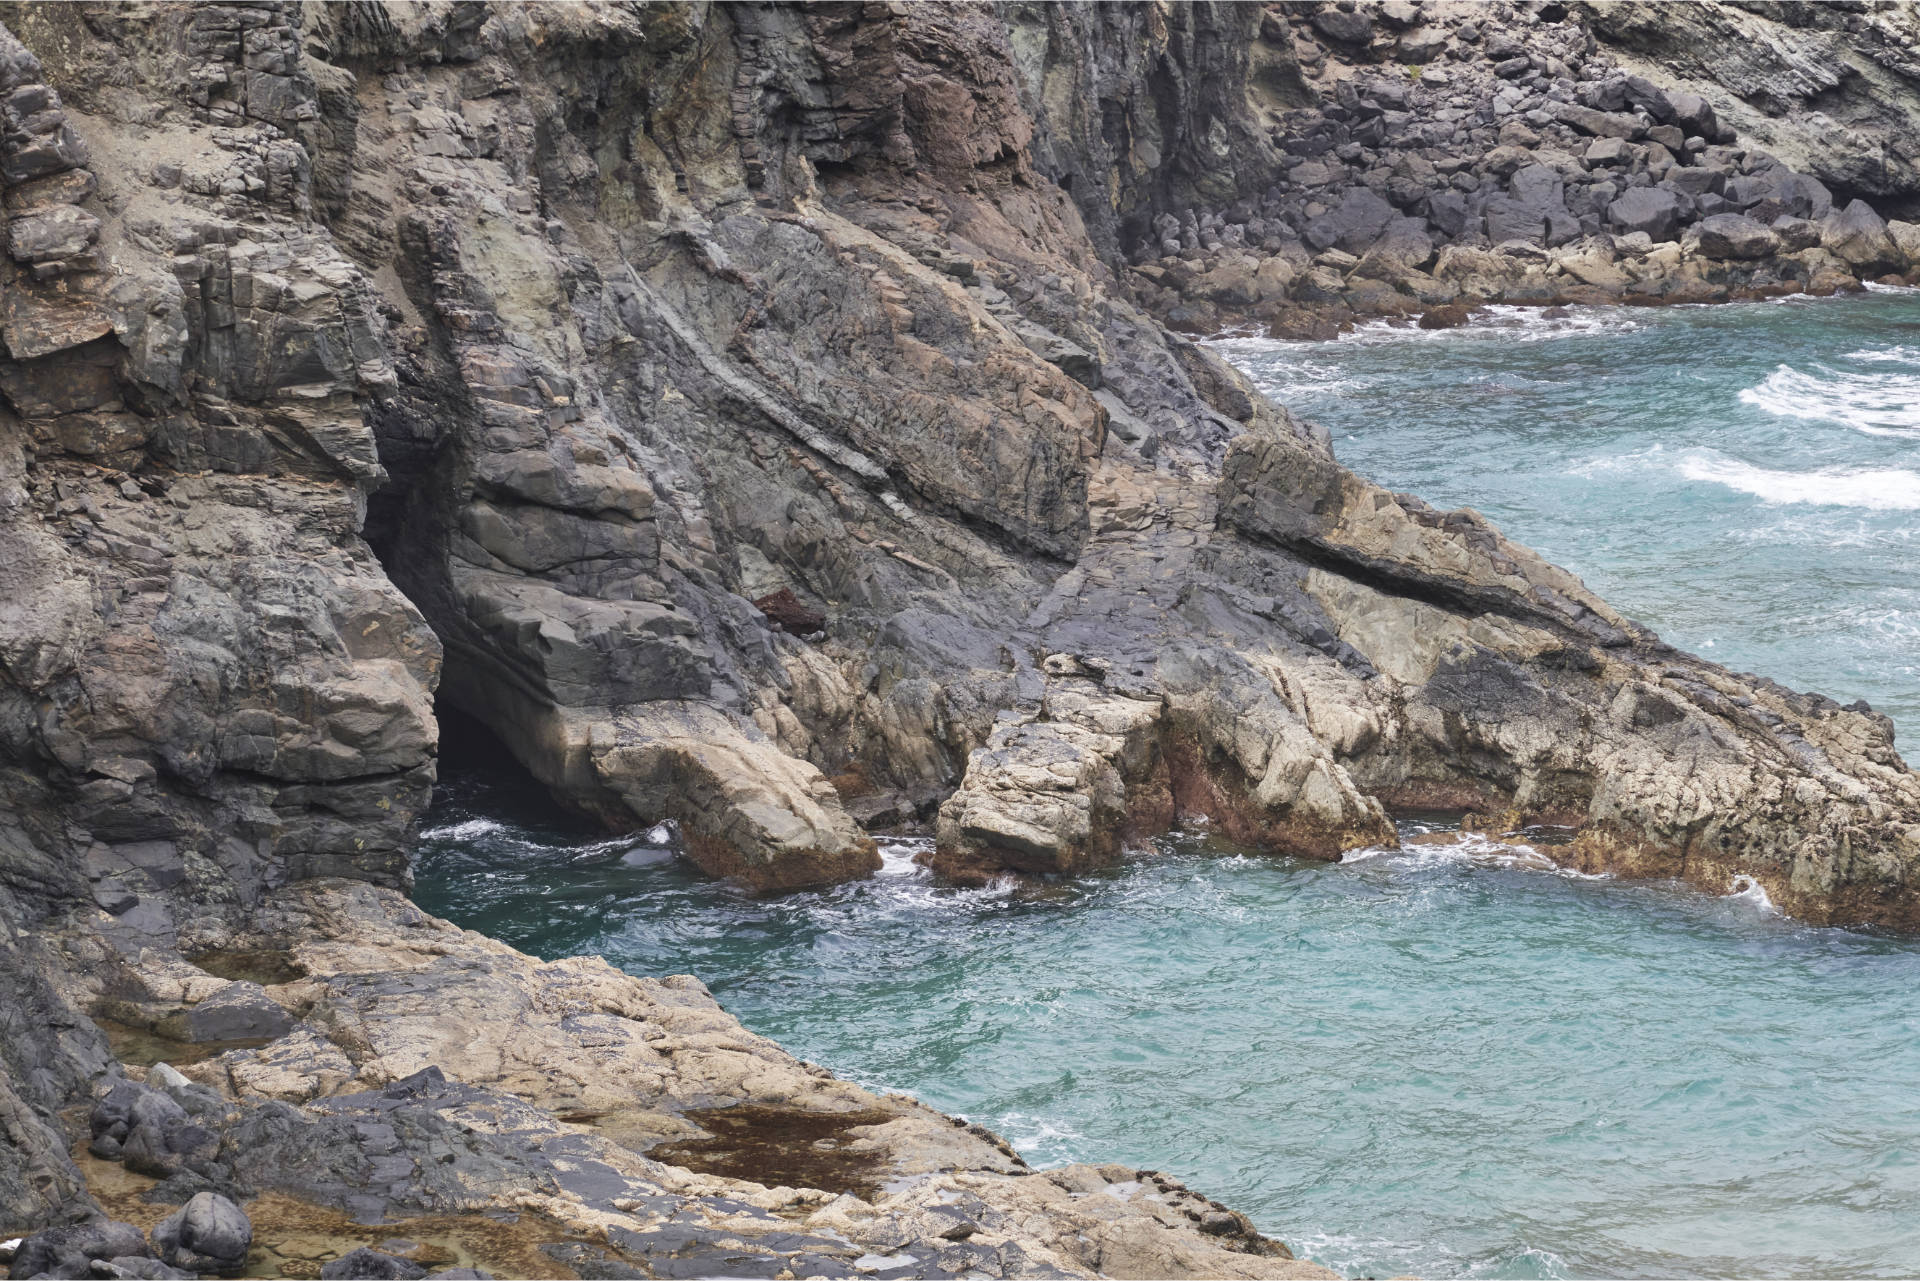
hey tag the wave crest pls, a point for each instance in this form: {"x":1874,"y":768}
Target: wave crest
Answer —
{"x":1874,"y":488}
{"x":1877,"y":404}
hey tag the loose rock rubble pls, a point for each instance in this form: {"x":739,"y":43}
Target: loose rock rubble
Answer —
{"x":1464,"y":154}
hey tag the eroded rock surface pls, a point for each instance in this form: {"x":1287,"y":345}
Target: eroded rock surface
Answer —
{"x":748,"y":413}
{"x":1444,"y":154}
{"x":430,"y":1071}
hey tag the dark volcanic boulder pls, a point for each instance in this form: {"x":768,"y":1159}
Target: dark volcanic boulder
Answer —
{"x":1796,"y":233}
{"x":1650,"y":98}
{"x":1342,"y":27}
{"x":1601,"y":124}
{"x":1736,"y":236}
{"x":1353,"y":224}
{"x":129,"y":1265}
{"x":1694,"y":115}
{"x":1447,"y":212}
{"x":1446,"y":316}
{"x":1785,"y":191}
{"x":207,"y":1234}
{"x":238,"y":1012}
{"x":1511,"y":219}
{"x":71,"y":1251}
{"x":1649,"y":209}
{"x":1403,"y":247}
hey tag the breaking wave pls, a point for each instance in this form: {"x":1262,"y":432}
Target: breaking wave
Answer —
{"x":1879,"y":404}
{"x":1873,"y":488}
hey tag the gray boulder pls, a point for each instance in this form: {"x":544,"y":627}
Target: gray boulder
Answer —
{"x":128,"y":1265}
{"x":1736,"y":236}
{"x":207,"y":1234}
{"x":1353,"y":224}
{"x":1694,"y":114}
{"x":59,"y":231}
{"x":238,"y":1012}
{"x":1652,"y":210}
{"x":1403,"y":247}
{"x":1650,"y":98}
{"x":1858,"y":237}
{"x":1608,"y":151}
{"x":1796,"y":233}
{"x":1342,"y":27}
{"x":1511,"y":219}
{"x":1447,"y":212}
{"x":1791,"y":193}
{"x":1601,"y":124}
{"x":71,"y":1251}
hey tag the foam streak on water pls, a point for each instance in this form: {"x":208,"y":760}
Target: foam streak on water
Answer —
{"x":1876,"y":403}
{"x":1875,"y":488}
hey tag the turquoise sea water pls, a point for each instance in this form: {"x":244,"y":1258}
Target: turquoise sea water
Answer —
{"x":1448,"y":1060}
{"x":1741,"y":478}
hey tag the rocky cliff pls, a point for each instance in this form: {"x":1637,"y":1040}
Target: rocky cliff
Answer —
{"x":1438,"y":155}
{"x":750,"y":414}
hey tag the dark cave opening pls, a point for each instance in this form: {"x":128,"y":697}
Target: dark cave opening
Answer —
{"x":479,"y":773}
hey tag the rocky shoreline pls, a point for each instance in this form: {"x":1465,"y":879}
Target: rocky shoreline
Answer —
{"x":757,"y":417}
{"x":1460,"y":155}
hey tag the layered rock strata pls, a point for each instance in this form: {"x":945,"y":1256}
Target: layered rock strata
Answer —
{"x":747,"y":412}
{"x":1438,"y":155}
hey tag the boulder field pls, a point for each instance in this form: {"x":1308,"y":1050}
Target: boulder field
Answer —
{"x":1440,"y":154}
{"x":762,"y":417}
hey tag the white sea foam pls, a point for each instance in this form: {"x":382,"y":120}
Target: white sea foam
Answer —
{"x":1896,"y":355}
{"x":1874,"y":488}
{"x":1745,"y":889}
{"x":1878,"y":404}
{"x":470,"y":830}
{"x":1347,"y":1253}
{"x":1468,"y":848}
{"x":897,"y":857}
{"x":1503,"y":322}
{"x":1035,"y":1133}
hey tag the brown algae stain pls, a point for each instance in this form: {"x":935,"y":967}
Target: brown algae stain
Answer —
{"x":776,"y":1147}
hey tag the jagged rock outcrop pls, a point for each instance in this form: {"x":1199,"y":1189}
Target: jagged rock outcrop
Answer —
{"x":1443,"y":154}
{"x":746,"y":413}
{"x":1833,"y":90}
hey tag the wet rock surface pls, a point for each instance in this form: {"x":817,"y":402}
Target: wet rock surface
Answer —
{"x":759,"y":417}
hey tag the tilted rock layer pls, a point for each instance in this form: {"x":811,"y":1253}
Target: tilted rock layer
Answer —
{"x":749,"y":414}
{"x":1436,"y":154}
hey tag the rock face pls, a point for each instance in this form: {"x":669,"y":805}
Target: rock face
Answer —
{"x":1831,"y":91}
{"x":1527,"y":153}
{"x":748,"y":413}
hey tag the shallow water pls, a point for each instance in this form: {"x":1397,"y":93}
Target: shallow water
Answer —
{"x":1444,"y":1061}
{"x":1452,"y":1060}
{"x":1742,"y":478}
